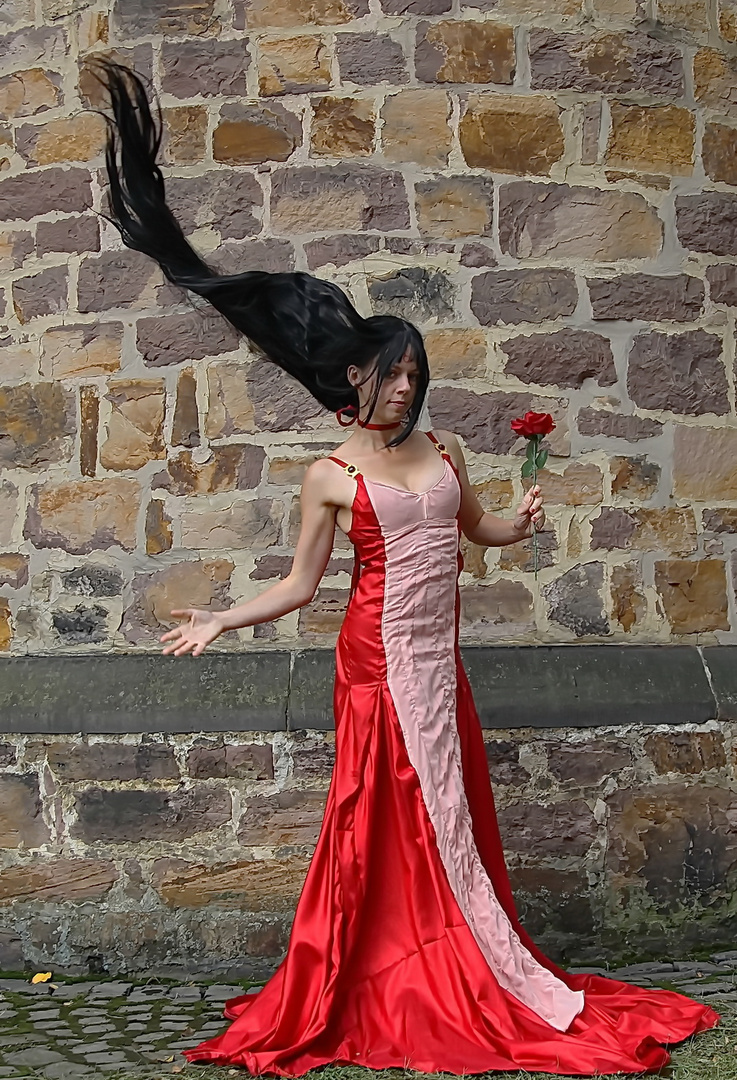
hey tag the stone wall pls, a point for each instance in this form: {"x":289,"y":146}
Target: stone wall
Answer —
{"x":547,"y":188}
{"x":187,"y":853}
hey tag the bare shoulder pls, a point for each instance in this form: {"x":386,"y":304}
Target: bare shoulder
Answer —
{"x":326,"y":482}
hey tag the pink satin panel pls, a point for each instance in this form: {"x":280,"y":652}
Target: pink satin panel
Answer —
{"x":418,"y":631}
{"x":382,"y":969}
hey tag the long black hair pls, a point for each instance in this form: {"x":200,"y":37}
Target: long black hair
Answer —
{"x":305,"y":325}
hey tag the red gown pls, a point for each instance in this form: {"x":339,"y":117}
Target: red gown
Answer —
{"x":406,"y":949}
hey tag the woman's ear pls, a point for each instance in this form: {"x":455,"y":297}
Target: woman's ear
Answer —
{"x":353,"y":374}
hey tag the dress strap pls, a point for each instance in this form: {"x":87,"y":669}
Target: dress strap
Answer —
{"x":352,"y":470}
{"x":440,"y":447}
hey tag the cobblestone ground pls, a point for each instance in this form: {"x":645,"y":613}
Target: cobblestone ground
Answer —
{"x":67,"y":1029}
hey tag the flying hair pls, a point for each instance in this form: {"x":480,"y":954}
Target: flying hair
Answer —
{"x":304,"y":325}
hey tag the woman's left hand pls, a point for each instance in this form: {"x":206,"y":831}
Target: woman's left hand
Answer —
{"x":530,"y":514}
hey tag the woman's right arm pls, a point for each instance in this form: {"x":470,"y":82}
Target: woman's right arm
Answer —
{"x":322,"y":484}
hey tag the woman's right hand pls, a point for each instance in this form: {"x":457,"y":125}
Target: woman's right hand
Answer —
{"x":194,"y":635}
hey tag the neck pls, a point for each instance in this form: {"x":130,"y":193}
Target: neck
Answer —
{"x":379,"y":427}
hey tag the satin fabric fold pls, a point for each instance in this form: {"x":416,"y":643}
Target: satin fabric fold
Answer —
{"x":382,"y":968}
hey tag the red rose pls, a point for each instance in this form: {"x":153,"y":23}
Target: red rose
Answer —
{"x":534,"y":423}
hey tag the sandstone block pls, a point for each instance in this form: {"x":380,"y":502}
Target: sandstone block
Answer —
{"x":279,"y":402}
{"x":578,"y":485}
{"x":504,"y":764}
{"x":652,"y":138}
{"x":719,"y":151}
{"x":8,"y":510}
{"x":57,"y":880}
{"x":562,"y":222}
{"x":84,"y":624}
{"x":80,"y":516}
{"x":37,"y":424}
{"x":681,"y":372}
{"x":309,"y":199}
{"x":343,"y":127}
{"x":456,"y":353}
{"x":44,"y":293}
{"x":227,"y":201}
{"x":250,"y":524}
{"x":201,"y":584}
{"x":21,"y":820}
{"x":33,"y":193}
{"x":136,"y":18}
{"x":587,"y":763}
{"x":502,"y":609}
{"x":288,"y":13}
{"x":494,"y":494}
{"x":686,"y":752}
{"x":520,"y":135}
{"x":706,"y":222}
{"x":85,"y":349}
{"x":672,"y":530}
{"x":715,"y":85}
{"x":417,"y":294}
{"x":92,"y":580}
{"x":590,"y":132}
{"x":15,"y":246}
{"x":604,"y":62}
{"x":186,"y":421}
{"x":313,"y":760}
{"x":369,"y":59}
{"x":230,"y":409}
{"x":133,"y":816}
{"x":323,"y":615}
{"x":74,"y":235}
{"x":482,"y":420}
{"x":18,"y":362}
{"x":27,"y":93}
{"x":722,"y":280}
{"x":520,"y":556}
{"x":230,"y":468}
{"x":703,"y":464}
{"x":574,"y":600}
{"x":185,"y":128}
{"x":339,"y":250}
{"x":248,"y":761}
{"x":629,"y":605}
{"x":634,"y":477}
{"x":206,"y":68}
{"x":256,"y":885}
{"x":416,"y":127}
{"x":563,"y":828}
{"x":135,"y":427}
{"x":80,"y":137}
{"x":647,"y":296}
{"x":159,"y":535}
{"x":172,"y":339}
{"x":287,"y":818}
{"x":271,"y":255}
{"x":6,"y":625}
{"x":456,"y":51}
{"x":611,"y":425}
{"x":13,"y":570}
{"x":722,"y":520}
{"x":565,"y":358}
{"x":727,"y":20}
{"x":91,"y":91}
{"x":515,"y":296}
{"x":655,"y":831}
{"x":8,"y":755}
{"x":416,"y":7}
{"x":454,"y":206}
{"x":694,"y":594}
{"x":250,"y":134}
{"x":28,"y":47}
{"x":293,"y":65}
{"x":112,"y":761}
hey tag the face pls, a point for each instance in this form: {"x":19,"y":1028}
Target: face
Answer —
{"x":396,"y":392}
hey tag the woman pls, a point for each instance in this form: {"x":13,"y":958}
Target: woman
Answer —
{"x":406,"y":948}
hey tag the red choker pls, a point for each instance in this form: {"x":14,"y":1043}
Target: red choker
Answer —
{"x":349,"y":415}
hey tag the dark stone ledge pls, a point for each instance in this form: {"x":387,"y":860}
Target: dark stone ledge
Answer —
{"x":514,"y":686}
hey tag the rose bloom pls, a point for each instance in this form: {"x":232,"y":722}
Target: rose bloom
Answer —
{"x":534,"y":423}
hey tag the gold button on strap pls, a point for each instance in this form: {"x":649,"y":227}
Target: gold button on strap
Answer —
{"x":351,"y":470}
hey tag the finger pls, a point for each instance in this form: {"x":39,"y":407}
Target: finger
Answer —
{"x":198,"y":650}
{"x":184,"y":648}
{"x":171,"y":635}
{"x":182,"y":613}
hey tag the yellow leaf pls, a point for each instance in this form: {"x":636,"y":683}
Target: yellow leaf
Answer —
{"x":41,"y":976}
{"x":171,"y":1058}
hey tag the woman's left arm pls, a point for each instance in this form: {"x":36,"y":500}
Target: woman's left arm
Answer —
{"x":483,"y":528}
